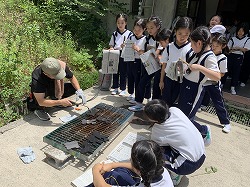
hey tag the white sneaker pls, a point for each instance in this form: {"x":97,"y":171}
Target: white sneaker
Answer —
{"x":175,"y":178}
{"x":233,"y":92}
{"x":115,"y":91}
{"x":136,"y":108}
{"x":226,"y":128}
{"x":208,"y":138}
{"x":131,"y":96}
{"x":132,"y":101}
{"x":150,"y":99}
{"x":242,"y":84}
{"x":122,"y":93}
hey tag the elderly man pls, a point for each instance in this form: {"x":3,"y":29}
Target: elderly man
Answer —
{"x":48,"y":88}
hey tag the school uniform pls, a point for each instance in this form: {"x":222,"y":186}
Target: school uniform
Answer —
{"x":172,"y":54}
{"x":213,"y":90}
{"x":235,"y":58}
{"x":162,"y":181}
{"x":191,"y":88}
{"x":116,"y":40}
{"x":121,"y":177}
{"x":183,"y":145}
{"x":245,"y":68}
{"x":144,"y":86}
{"x":134,"y":67}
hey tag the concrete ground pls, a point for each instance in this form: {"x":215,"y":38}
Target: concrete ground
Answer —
{"x":228,"y":153}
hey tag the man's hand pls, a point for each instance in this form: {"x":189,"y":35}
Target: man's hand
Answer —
{"x":79,"y":94}
{"x":65,"y":102}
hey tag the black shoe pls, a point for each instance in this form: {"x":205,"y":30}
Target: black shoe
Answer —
{"x":42,"y":115}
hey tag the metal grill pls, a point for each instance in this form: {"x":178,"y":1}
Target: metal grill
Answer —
{"x":109,"y":122}
{"x":235,"y":114}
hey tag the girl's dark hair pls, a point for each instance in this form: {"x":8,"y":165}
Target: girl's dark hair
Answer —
{"x":122,"y":15}
{"x":184,"y":22}
{"x":244,"y":26}
{"x":140,"y":22}
{"x":147,"y":157}
{"x":203,"y":34}
{"x":221,"y":19}
{"x":157,"y":21}
{"x":221,"y":39}
{"x":157,"y":110}
{"x":163,"y":35}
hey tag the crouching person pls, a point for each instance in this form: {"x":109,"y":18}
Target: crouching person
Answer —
{"x":183,"y":145}
{"x":146,"y":161}
{"x":48,"y":88}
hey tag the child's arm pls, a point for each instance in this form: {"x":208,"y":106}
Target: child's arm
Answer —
{"x":137,"y":49}
{"x":163,"y":67}
{"x":98,"y":179}
{"x":101,"y":168}
{"x":213,"y":75}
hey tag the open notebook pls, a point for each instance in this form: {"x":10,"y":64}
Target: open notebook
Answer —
{"x":120,"y":153}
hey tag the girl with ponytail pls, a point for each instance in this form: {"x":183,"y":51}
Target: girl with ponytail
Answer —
{"x":146,"y":161}
{"x":202,"y":68}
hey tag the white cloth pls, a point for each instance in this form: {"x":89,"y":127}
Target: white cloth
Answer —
{"x":26,"y":154}
{"x":164,"y":182}
{"x":237,"y":42}
{"x":140,"y":42}
{"x":218,"y":29}
{"x":181,"y":134}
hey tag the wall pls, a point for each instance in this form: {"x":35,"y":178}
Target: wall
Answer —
{"x":211,"y":8}
{"x":165,"y":9}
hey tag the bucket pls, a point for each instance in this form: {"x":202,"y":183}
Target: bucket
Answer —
{"x":104,"y":81}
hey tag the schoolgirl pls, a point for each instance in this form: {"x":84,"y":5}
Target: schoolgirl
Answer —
{"x":146,"y":161}
{"x":116,"y":42}
{"x":202,"y":65}
{"x":238,"y":45}
{"x":215,"y":20}
{"x":134,"y":67}
{"x":219,"y":42}
{"x":144,"y":87}
{"x":180,"y":48}
{"x":164,"y":38}
{"x":183,"y":145}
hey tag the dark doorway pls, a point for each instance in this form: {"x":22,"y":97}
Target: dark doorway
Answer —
{"x":234,"y":9}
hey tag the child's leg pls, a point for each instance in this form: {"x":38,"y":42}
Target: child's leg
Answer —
{"x":171,"y":91}
{"x":236,"y":70}
{"x":137,"y":73}
{"x":123,"y":73}
{"x":141,"y":89}
{"x":147,"y":92}
{"x":156,"y":88}
{"x":245,"y":68}
{"x":206,"y":98}
{"x":131,"y":80}
{"x":115,"y":80}
{"x":186,"y":168}
{"x":218,"y":101}
{"x":187,"y":96}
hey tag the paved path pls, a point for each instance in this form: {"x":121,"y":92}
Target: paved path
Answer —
{"x":228,"y":153}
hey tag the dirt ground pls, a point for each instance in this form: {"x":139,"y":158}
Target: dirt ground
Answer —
{"x":228,"y":155}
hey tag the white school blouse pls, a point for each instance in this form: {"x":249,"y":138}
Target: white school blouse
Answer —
{"x":119,"y":38}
